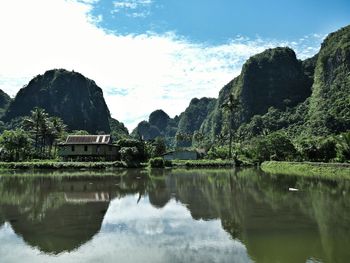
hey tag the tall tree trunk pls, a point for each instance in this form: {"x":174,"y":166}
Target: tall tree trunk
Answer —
{"x":230,"y":146}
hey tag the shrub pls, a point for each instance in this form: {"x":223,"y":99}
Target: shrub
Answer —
{"x":317,"y":149}
{"x":157,"y":162}
{"x":220,"y":152}
{"x":129,"y":154}
{"x":136,"y":151}
{"x":343,"y":147}
{"x":275,"y":146}
{"x":168,"y":163}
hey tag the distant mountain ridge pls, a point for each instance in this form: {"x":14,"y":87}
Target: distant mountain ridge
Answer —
{"x":274,"y":91}
{"x":310,"y":96}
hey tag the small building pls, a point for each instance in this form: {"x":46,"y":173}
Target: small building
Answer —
{"x":88,"y":148}
{"x":181,"y":155}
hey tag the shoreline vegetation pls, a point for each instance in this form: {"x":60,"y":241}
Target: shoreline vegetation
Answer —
{"x":336,"y":171}
{"x":308,"y":169}
{"x":57,"y":165}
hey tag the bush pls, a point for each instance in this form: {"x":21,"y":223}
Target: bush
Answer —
{"x":168,"y":163}
{"x":343,"y":147}
{"x":132,"y":150}
{"x":220,"y":152}
{"x":317,"y":149}
{"x":157,"y":162}
{"x":129,"y":154}
{"x":275,"y":146}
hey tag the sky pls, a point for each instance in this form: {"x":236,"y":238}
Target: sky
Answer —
{"x":155,"y":54}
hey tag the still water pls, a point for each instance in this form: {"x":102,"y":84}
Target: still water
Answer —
{"x":173,"y":216}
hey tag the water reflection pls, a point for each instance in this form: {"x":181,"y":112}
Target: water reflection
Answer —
{"x":185,"y":216}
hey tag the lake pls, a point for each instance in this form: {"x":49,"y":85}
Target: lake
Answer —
{"x":173,"y":216}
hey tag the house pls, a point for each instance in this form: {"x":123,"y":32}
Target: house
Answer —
{"x":181,"y":155}
{"x":88,"y":148}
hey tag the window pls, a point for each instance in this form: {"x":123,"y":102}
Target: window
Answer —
{"x":85,"y":148}
{"x":73,"y":148}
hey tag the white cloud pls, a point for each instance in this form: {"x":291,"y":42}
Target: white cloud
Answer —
{"x":139,"y":8}
{"x":138,"y":73}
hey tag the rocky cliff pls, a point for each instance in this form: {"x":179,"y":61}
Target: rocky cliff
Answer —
{"x":68,"y":95}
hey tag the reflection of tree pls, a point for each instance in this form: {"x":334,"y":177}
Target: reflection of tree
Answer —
{"x":265,"y":216}
{"x":59,"y":213}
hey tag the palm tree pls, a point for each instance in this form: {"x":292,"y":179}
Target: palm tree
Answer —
{"x":230,"y":106}
{"x":57,"y":129}
{"x":36,"y":122}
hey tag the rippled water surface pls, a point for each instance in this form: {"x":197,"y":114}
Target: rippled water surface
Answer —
{"x":173,"y":216}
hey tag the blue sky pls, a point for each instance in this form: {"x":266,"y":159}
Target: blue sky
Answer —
{"x":216,"y":21}
{"x":155,"y":54}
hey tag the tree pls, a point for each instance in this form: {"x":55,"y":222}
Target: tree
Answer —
{"x":183,"y":139}
{"x":57,"y":131}
{"x":230,"y":106}
{"x":343,"y":146}
{"x":16,"y":144}
{"x":275,"y":146}
{"x":197,"y":138}
{"x":158,"y":147}
{"x":35,"y":123}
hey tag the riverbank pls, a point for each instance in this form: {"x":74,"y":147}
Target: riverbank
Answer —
{"x":56,"y":165}
{"x":202,"y":163}
{"x":308,"y":169}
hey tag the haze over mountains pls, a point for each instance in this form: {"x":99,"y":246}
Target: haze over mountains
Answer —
{"x":275,"y":91}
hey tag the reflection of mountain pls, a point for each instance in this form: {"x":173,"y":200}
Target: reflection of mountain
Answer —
{"x":62,"y":229}
{"x":275,"y":225}
{"x":60,"y":214}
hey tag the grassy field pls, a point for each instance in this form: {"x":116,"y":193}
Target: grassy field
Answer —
{"x":307,"y":169}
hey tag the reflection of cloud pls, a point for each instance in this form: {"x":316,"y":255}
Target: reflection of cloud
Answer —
{"x":159,"y":71}
{"x":134,"y":232}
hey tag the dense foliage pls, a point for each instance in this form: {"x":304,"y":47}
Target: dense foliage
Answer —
{"x":118,"y":130}
{"x":330,"y":101}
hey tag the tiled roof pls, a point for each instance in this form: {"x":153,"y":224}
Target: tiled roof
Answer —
{"x":88,"y":139}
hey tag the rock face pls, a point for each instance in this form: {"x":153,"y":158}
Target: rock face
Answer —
{"x":4,"y":102}
{"x":330,"y":100}
{"x":159,"y":119}
{"x":158,"y":124}
{"x":118,"y":129}
{"x":68,"y":95}
{"x":273,"y":78}
{"x":194,"y":115}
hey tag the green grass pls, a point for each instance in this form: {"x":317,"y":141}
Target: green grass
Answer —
{"x":52,"y":165}
{"x":307,"y":169}
{"x":202,"y":163}
{"x":57,"y":165}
